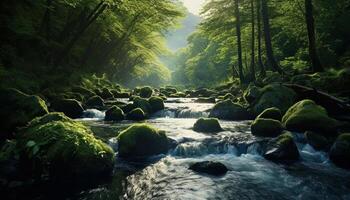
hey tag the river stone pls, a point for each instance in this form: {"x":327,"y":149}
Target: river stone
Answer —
{"x":306,"y":115}
{"x":266,"y":127}
{"x":209,"y":167}
{"x":136,"y":114}
{"x":282,"y":148}
{"x":251,"y":94}
{"x":207,"y":125}
{"x":95,"y":102}
{"x":146,"y":92}
{"x":205,"y":100}
{"x":271,"y":113}
{"x":156,"y":103}
{"x":142,"y":103}
{"x":229,"y":111}
{"x":340,"y":151}
{"x":83,"y":91}
{"x":142,"y":140}
{"x":18,"y":109}
{"x":114,"y":114}
{"x":63,"y":148}
{"x":106,"y":94}
{"x":318,"y":141}
{"x":70,"y":107}
{"x":274,"y":95}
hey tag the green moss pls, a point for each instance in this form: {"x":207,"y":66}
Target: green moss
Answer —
{"x":64,"y":147}
{"x":271,"y":113}
{"x":228,"y":96}
{"x":114,"y":114}
{"x":266,"y":127}
{"x":207,"y":125}
{"x":141,"y":140}
{"x":285,"y":138}
{"x":95,"y":102}
{"x":156,"y":103}
{"x":229,"y":111}
{"x":282,"y":148}
{"x":136,"y":114}
{"x":106,"y":94}
{"x":146,"y":92}
{"x":306,"y":115}
{"x":142,"y":103}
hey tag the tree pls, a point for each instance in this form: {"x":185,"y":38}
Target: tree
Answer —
{"x":239,"y":41}
{"x":258,"y":17}
{"x":252,"y":64}
{"x":314,"y":59}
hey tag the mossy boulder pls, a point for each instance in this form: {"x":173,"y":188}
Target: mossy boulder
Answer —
{"x":127,"y":108}
{"x":318,"y":141}
{"x":156,"y":104}
{"x":228,"y":96}
{"x":205,"y":100}
{"x":142,"y":103}
{"x":63,"y":148}
{"x":83,"y":91}
{"x":207,"y":125}
{"x":95,"y":102}
{"x":142,"y":140}
{"x":18,"y":109}
{"x":266,"y":127}
{"x":106,"y":94}
{"x":282,"y":149}
{"x":274,"y":95}
{"x":146,"y":92}
{"x":136,"y":114}
{"x":209,"y":167}
{"x":70,"y":107}
{"x":114,"y":114}
{"x":229,"y":111}
{"x":271,"y":113}
{"x":340,"y":151}
{"x":252,"y":93}
{"x":306,"y":115}
{"x":119,"y":94}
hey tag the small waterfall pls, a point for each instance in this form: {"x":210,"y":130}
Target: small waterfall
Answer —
{"x":93,"y":114}
{"x":190,"y":113}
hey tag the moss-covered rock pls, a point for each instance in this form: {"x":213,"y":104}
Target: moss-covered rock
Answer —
{"x":156,"y":103}
{"x":282,"y":149}
{"x":83,"y":91}
{"x":274,"y":95}
{"x":114,"y":114}
{"x":146,"y":92}
{"x":70,"y":107}
{"x":106,"y":94}
{"x":142,"y":140}
{"x":63,"y":148}
{"x":207,"y":125}
{"x":271,"y":113}
{"x":136,"y":114}
{"x":228,"y":96}
{"x":252,"y":93}
{"x":127,"y":108}
{"x":178,"y":95}
{"x":229,"y":111}
{"x":120,"y":94}
{"x":266,"y":127}
{"x":340,"y":151}
{"x":17,"y":109}
{"x":95,"y":102}
{"x":318,"y":141}
{"x":306,"y":115}
{"x":205,"y":100}
{"x":142,"y":103}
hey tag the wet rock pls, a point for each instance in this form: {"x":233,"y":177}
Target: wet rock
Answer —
{"x":207,"y":125}
{"x":340,"y":151}
{"x":95,"y":102}
{"x":142,"y":140}
{"x":146,"y":92}
{"x":136,"y":114}
{"x":114,"y":114}
{"x":266,"y":127}
{"x":282,"y":149}
{"x":271,"y":113}
{"x":18,"y":109}
{"x":70,"y":107}
{"x":209,"y":167}
{"x":119,"y":94}
{"x":306,"y":115}
{"x":205,"y":100}
{"x":229,"y":111}
{"x":127,"y":108}
{"x":142,"y":103}
{"x":156,"y":103}
{"x":318,"y":141}
{"x":106,"y":94}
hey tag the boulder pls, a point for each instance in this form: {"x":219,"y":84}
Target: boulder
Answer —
{"x":318,"y":141}
{"x":106,"y":94}
{"x":156,"y":103}
{"x":83,"y":91}
{"x":207,"y":125}
{"x":120,"y":94}
{"x":282,"y":149}
{"x":266,"y":127}
{"x":127,"y":108}
{"x":271,"y":113}
{"x":274,"y":95}
{"x":205,"y":100}
{"x":70,"y":107}
{"x":64,"y":149}
{"x":95,"y":102}
{"x":306,"y":115}
{"x":142,"y":103}
{"x":209,"y":167}
{"x":17,"y":109}
{"x":251,"y":94}
{"x":142,"y":140}
{"x":146,"y":92}
{"x":229,"y":111}
{"x":340,"y":151}
{"x":136,"y":114}
{"x":114,"y":114}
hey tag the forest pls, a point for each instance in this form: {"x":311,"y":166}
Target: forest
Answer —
{"x":128,"y":99}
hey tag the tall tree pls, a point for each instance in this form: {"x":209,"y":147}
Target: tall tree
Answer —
{"x":239,"y":41}
{"x":267,"y":33}
{"x":258,"y":17}
{"x":252,"y":64}
{"x":315,"y":61}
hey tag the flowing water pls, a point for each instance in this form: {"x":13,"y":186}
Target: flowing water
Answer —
{"x":250,"y":176}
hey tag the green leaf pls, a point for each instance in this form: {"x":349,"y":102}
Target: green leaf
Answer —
{"x":30,"y":143}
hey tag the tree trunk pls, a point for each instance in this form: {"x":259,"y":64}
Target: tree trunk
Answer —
{"x":252,"y":64}
{"x":239,"y":41}
{"x":260,"y":62}
{"x":267,"y":33}
{"x":315,"y":61}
